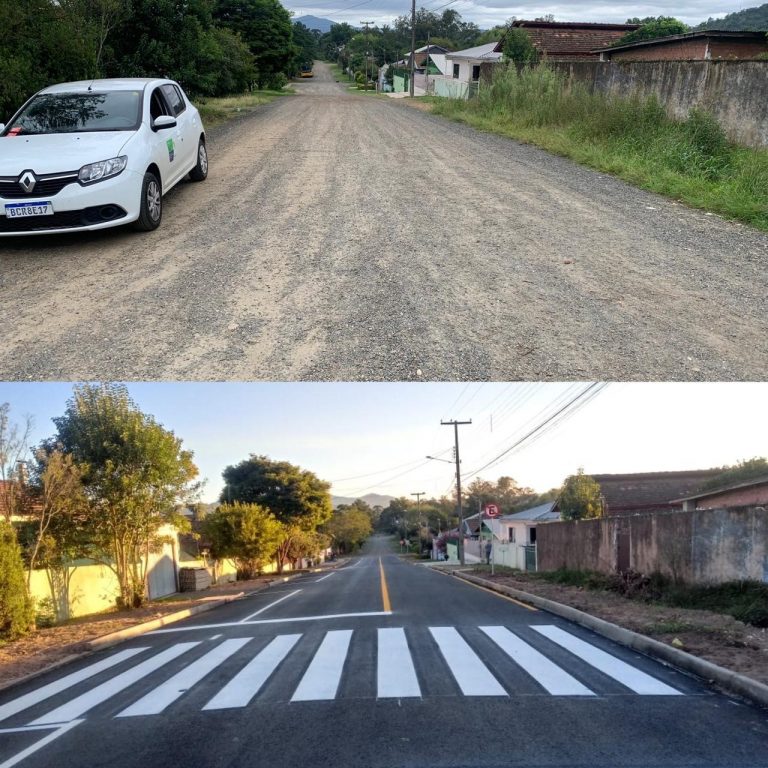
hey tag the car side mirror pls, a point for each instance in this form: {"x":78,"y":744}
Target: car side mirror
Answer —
{"x":163,"y":122}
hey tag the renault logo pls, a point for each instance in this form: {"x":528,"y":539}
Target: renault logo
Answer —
{"x":27,"y":181}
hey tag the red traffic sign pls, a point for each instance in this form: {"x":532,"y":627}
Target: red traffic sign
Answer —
{"x":491,"y":510}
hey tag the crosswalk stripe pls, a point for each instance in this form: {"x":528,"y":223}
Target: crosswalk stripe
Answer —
{"x":40,"y":694}
{"x":164,"y":695}
{"x":627,"y":675}
{"x":396,"y":674}
{"x":78,"y":706}
{"x":470,"y":673}
{"x":321,"y":680}
{"x":545,"y":672}
{"x":239,"y":691}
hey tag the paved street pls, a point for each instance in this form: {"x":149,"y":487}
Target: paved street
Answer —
{"x":379,"y":663}
{"x":350,"y":237}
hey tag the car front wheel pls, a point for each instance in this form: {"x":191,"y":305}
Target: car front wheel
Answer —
{"x":200,"y":171}
{"x":151,"y":204}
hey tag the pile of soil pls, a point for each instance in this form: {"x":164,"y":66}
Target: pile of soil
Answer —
{"x":715,"y":637}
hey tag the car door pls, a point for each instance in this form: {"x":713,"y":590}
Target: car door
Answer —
{"x":163,"y":141}
{"x":186,"y":141}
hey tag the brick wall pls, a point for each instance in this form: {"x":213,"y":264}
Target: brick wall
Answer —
{"x":706,"y":546}
{"x":732,"y":91}
{"x":738,"y":497}
{"x":680,"y":50}
{"x":724,"y":49}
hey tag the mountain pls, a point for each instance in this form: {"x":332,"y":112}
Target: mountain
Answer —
{"x":750,"y":19}
{"x":372,"y":499}
{"x":313,"y":22}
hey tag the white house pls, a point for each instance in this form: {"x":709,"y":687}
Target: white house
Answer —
{"x":515,"y":534}
{"x":462,"y":71}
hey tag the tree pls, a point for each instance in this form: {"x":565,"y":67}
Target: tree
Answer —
{"x":296,"y":497}
{"x":249,"y":534}
{"x":741,"y":472}
{"x":134,"y":472}
{"x":16,"y":611}
{"x":580,"y":497}
{"x":14,"y":445}
{"x":519,"y":48}
{"x":652,"y":27}
{"x":349,"y":527}
{"x":265,"y":26}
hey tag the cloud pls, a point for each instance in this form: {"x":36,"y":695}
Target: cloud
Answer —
{"x":489,"y":13}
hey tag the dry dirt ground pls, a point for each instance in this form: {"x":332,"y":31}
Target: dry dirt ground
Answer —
{"x":47,"y":646}
{"x":345,"y":237}
{"x":713,"y":636}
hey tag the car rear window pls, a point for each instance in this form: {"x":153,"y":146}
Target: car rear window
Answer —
{"x":78,"y":113}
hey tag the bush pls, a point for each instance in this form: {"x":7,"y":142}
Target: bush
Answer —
{"x":277,"y":82}
{"x":16,"y":611}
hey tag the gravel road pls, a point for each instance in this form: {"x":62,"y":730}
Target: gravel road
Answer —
{"x":349,"y":237}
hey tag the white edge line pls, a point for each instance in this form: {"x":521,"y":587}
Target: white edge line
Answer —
{"x":323,"y":578}
{"x":205,"y":627}
{"x":60,"y":731}
{"x":267,"y":607}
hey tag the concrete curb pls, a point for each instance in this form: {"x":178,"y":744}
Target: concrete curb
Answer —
{"x":726,"y":679}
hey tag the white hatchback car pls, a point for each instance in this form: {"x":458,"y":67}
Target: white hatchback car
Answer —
{"x":96,"y":154}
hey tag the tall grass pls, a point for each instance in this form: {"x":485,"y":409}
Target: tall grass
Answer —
{"x":633,"y":138}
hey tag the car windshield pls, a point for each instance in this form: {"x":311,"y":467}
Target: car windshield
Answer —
{"x":78,"y":113}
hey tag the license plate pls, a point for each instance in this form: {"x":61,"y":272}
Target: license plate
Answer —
{"x":37,"y":208}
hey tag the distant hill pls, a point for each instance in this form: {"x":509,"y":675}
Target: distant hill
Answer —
{"x":313,"y":22}
{"x":372,"y":499}
{"x":750,"y":19}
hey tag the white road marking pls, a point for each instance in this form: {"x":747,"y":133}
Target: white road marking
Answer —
{"x":80,"y":705}
{"x":267,"y":607}
{"x":36,"y":696}
{"x":321,"y":680}
{"x":215,"y":637}
{"x":470,"y":673}
{"x":626,"y":674}
{"x":323,"y":578}
{"x":205,"y":627}
{"x":396,"y":675}
{"x":32,"y":748}
{"x":545,"y":672}
{"x":239,"y":691}
{"x":164,"y":695}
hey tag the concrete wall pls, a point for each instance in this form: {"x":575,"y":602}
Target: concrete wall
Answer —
{"x":705,"y":546}
{"x":734,"y":92}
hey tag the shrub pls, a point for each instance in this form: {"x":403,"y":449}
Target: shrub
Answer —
{"x":16,"y":611}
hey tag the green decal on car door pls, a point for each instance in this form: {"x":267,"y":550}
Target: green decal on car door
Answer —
{"x":170,"y":146}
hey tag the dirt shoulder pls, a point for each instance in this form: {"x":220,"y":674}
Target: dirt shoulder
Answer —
{"x":49,"y":646}
{"x":715,"y":637}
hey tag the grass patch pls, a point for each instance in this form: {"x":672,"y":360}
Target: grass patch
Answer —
{"x":746,"y":601}
{"x":221,"y":110}
{"x":690,"y":160}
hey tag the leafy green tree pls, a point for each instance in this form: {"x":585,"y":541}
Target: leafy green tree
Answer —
{"x":305,"y":42}
{"x":751,"y":19}
{"x":349,"y":527}
{"x":741,"y":472}
{"x":248,"y":534}
{"x":16,"y":611}
{"x":135,"y":473}
{"x":580,"y":498}
{"x":652,"y":27}
{"x":519,"y":48}
{"x":265,"y":26}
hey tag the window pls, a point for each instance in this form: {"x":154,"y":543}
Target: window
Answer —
{"x":174,"y":98}
{"x":157,"y":105}
{"x":511,"y":535}
{"x":475,"y":73}
{"x":532,"y":535}
{"x":455,"y":71}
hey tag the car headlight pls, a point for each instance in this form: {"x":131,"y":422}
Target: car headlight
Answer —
{"x":102,"y":170}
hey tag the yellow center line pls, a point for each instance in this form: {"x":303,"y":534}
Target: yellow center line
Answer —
{"x":384,"y":590}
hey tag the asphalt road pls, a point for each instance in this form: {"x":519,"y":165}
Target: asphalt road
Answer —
{"x":349,"y":237}
{"x":354,"y":668}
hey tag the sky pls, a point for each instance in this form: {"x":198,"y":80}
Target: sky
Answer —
{"x":374,"y":438}
{"x":489,"y":13}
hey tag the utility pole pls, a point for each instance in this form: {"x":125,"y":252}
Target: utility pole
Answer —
{"x":413,"y":44}
{"x":367,"y":53}
{"x":426,"y":68}
{"x":418,"y":506}
{"x":456,"y":425}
